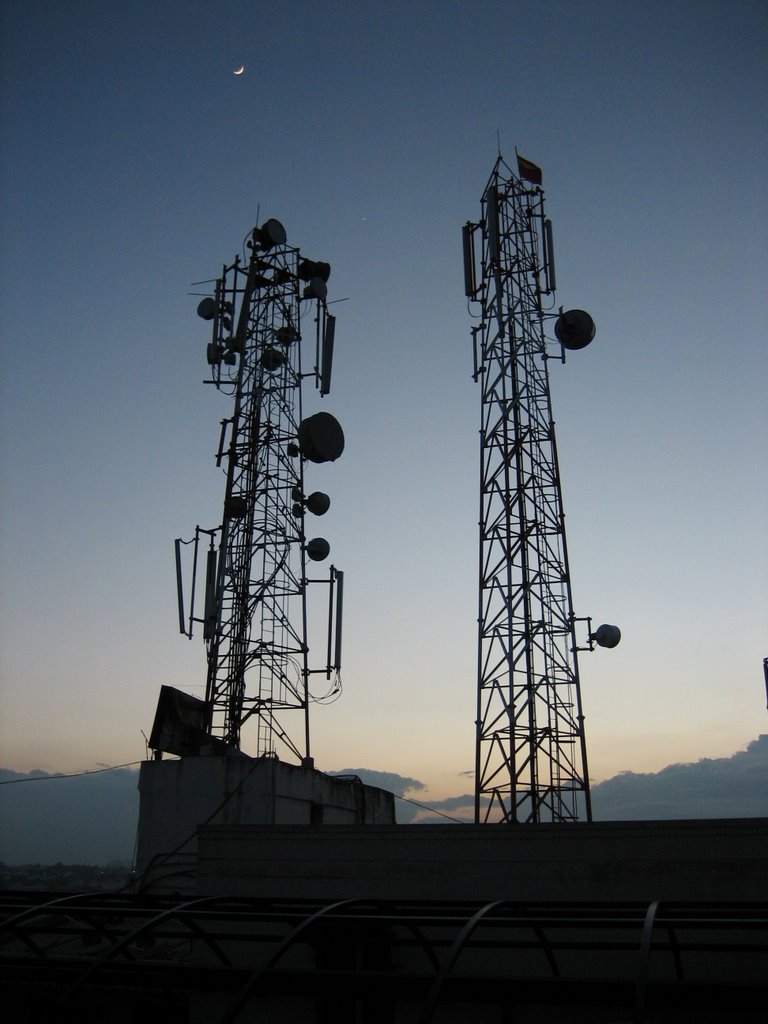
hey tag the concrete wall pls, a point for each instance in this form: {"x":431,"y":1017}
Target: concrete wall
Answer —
{"x":670,"y":860}
{"x":178,"y":796}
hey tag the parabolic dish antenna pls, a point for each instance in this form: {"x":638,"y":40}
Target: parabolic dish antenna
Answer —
{"x":207,"y":308}
{"x":318,"y":503}
{"x":321,"y":438}
{"x":272,"y":359}
{"x":270,"y":233}
{"x":607,"y":636}
{"x":318,"y":549}
{"x":575,"y":329}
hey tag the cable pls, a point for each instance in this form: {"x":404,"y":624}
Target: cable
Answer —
{"x":424,"y":807}
{"x":71,"y":775}
{"x":161,"y":858}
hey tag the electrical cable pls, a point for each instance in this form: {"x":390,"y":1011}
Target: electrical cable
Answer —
{"x":70,"y":775}
{"x":161,"y":858}
{"x":332,"y":694}
{"x":434,"y":810}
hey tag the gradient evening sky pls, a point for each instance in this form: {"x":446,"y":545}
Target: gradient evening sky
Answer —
{"x":134,"y":162}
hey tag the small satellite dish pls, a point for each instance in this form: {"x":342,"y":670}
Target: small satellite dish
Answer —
{"x":575,"y":329}
{"x":318,"y":549}
{"x":316,"y":289}
{"x":286,"y":335}
{"x":607,"y":636}
{"x":272,"y":359}
{"x":318,"y":503}
{"x":207,"y":309}
{"x":321,"y":438}
{"x":314,"y":268}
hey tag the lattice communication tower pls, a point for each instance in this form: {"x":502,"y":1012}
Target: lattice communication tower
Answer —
{"x":255,"y":563}
{"x":530,"y":753}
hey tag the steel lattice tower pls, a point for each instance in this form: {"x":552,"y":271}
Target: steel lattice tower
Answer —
{"x":531,"y":758}
{"x":255,"y":619}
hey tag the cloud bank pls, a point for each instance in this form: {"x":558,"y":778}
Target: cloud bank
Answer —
{"x":725,"y":787}
{"x":92,"y":819}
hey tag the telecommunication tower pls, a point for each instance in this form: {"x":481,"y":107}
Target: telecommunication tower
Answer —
{"x":255,"y":563}
{"x":530,"y":752}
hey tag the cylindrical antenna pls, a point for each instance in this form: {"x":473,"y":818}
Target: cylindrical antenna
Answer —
{"x":475,"y":361}
{"x":210,"y":594}
{"x":492,"y":218}
{"x":549,"y":256}
{"x":331,"y":586}
{"x":339,"y":612}
{"x":326,"y":363}
{"x":467,"y":235}
{"x":222,"y":438}
{"x":180,"y":588}
{"x":194,"y":581}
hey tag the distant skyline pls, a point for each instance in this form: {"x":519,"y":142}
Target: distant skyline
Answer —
{"x":133,"y":162}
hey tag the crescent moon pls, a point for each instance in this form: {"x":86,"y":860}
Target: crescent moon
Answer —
{"x":239,"y":71}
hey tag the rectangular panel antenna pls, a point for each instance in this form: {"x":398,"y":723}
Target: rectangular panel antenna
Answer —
{"x":209,"y":625}
{"x":327,"y":354}
{"x":549,"y":256}
{"x":470,"y":278}
{"x":492,"y":218}
{"x":339,"y":611}
{"x":180,"y":588}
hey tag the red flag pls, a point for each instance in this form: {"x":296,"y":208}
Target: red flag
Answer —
{"x":528,"y":170}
